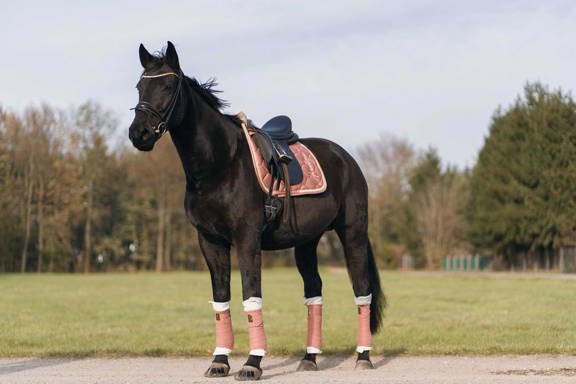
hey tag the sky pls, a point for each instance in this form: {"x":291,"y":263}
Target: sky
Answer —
{"x":429,"y":71}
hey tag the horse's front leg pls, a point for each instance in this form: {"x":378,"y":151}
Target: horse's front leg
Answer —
{"x":249,"y":262}
{"x":217,"y":257}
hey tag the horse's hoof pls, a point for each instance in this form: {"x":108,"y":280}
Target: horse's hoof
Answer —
{"x":248,"y":373}
{"x":217,"y":370}
{"x":363,"y":364}
{"x":307,"y":365}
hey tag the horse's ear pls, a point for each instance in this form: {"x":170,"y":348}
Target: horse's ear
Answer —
{"x":145,"y":57}
{"x":172,"y":57}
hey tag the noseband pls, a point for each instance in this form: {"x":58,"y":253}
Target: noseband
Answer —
{"x":152,"y":112}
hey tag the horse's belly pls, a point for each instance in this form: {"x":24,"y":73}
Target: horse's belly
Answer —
{"x":309,"y":221}
{"x":282,"y":240}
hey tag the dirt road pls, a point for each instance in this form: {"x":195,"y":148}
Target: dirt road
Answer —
{"x":399,"y":370}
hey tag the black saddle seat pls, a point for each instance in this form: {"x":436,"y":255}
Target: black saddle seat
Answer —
{"x":279,"y":130}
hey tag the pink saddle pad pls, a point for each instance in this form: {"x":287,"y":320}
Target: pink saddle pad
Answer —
{"x":313,"y":183}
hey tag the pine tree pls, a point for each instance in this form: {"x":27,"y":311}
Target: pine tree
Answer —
{"x":521,"y":201}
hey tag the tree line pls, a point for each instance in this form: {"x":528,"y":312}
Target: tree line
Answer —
{"x":72,"y":199}
{"x":516,"y":205}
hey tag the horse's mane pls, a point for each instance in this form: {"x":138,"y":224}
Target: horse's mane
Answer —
{"x":205,"y":90}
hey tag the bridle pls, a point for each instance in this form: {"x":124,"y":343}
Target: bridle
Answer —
{"x":152,"y":112}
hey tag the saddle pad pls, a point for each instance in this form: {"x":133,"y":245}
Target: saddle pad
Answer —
{"x":314,"y":181}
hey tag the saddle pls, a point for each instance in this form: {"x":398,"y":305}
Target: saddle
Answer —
{"x":273,"y":140}
{"x":284,"y":166}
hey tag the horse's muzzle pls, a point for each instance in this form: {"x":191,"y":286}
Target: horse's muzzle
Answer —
{"x":143,"y":139}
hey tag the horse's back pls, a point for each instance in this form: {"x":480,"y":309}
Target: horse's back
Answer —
{"x":341,"y":170}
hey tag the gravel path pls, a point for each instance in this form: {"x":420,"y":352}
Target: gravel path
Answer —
{"x":424,"y":370}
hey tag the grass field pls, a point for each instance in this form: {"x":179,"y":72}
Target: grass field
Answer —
{"x":168,"y":315}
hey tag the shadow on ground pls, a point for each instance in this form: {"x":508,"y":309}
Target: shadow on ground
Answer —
{"x":330,"y":362}
{"x":19,"y":366}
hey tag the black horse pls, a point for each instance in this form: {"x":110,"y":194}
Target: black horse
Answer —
{"x":226,"y":205}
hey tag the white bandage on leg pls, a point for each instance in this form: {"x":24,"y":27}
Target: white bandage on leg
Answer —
{"x":316,"y":300}
{"x":221,"y":351}
{"x":252,"y":304}
{"x":257,"y":352}
{"x":363,"y":349}
{"x":313,"y":350}
{"x":363,"y":300}
{"x":220,"y":307}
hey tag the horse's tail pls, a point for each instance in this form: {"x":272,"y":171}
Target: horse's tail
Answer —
{"x":378,"y":299}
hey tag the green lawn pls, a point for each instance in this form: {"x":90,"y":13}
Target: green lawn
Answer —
{"x":168,"y":314}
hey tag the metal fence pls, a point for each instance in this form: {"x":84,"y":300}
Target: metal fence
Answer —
{"x":466,"y":263}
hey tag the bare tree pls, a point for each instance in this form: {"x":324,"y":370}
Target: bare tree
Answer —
{"x":387,"y":163}
{"x":438,"y":218}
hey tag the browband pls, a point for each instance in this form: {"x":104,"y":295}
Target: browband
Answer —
{"x":160,"y":75}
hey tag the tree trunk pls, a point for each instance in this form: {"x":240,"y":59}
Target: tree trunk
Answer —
{"x":40,"y":225}
{"x":27,"y":222}
{"x":524,"y":261}
{"x":88,"y":229}
{"x":167,"y":242}
{"x":160,"y":236}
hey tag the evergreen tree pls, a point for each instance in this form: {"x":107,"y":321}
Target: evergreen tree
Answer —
{"x":522,"y":202}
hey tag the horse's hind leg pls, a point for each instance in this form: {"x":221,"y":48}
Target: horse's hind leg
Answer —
{"x":307,"y":262}
{"x":361,"y":268}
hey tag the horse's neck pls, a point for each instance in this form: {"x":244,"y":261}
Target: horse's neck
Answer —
{"x":205,"y":141}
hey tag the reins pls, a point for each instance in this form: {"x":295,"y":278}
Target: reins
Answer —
{"x":150,"y":111}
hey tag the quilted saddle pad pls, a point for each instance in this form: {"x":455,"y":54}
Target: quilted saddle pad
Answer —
{"x":314,"y":181}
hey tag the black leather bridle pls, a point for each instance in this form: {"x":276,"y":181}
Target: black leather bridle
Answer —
{"x":152,"y":112}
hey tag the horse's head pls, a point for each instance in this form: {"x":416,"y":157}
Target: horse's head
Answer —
{"x":160,"y":92}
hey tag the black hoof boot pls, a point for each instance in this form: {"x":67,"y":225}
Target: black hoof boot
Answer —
{"x":308,"y":363}
{"x":251,"y":370}
{"x":363,"y":361}
{"x":248,"y":372}
{"x":219,"y":367}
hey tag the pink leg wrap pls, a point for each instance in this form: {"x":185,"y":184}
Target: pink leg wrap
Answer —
{"x":315,"y":326}
{"x":364,"y":336}
{"x":224,"y":334}
{"x":256,"y":330}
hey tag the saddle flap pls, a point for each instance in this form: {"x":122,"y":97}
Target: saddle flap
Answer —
{"x":263,"y":146}
{"x":270,"y":155}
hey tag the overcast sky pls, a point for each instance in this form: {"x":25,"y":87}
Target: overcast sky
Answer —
{"x":431,"y":71}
